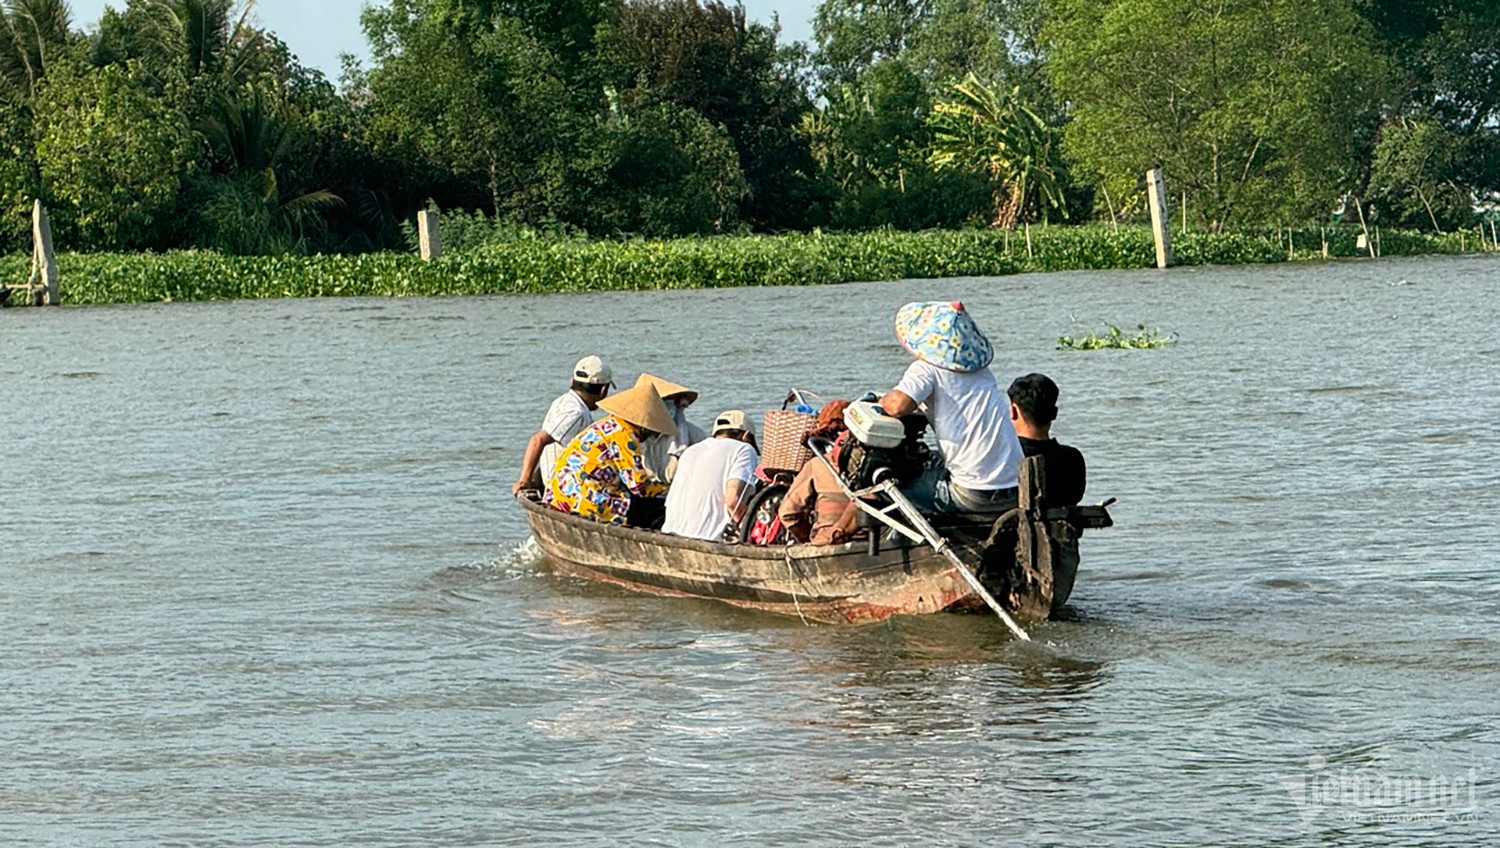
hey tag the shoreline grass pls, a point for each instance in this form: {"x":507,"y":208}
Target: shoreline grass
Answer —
{"x":547,"y":265}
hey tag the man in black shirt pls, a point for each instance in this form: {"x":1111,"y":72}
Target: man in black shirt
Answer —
{"x":1033,"y":407}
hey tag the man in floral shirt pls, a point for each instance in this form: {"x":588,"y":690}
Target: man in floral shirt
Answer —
{"x":602,"y":473}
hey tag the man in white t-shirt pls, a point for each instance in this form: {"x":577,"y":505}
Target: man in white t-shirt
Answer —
{"x":951,"y":380}
{"x":568,"y":416}
{"x":715,"y":480}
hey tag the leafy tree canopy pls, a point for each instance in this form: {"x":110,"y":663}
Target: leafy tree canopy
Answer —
{"x":34,"y":34}
{"x":112,"y":156}
{"x":709,"y":57}
{"x":489,"y":110}
{"x":1256,"y":109}
{"x":941,"y":40}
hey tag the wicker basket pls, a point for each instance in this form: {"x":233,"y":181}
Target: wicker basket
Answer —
{"x":783,"y":449}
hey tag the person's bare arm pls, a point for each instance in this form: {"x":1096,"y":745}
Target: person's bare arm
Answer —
{"x":533,"y":456}
{"x":737,"y":498}
{"x":794,"y":504}
{"x":898,"y":403}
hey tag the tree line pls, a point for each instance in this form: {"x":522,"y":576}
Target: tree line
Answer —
{"x":180,"y":123}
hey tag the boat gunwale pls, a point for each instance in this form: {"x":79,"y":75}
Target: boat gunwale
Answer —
{"x":728,"y":549}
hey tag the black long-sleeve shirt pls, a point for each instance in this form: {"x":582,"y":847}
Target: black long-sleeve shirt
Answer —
{"x":1066,"y":473}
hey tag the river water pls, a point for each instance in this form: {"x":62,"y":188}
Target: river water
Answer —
{"x":263,"y":583}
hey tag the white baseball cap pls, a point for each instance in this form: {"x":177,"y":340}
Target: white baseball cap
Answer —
{"x":733,"y":419}
{"x":592,"y":371}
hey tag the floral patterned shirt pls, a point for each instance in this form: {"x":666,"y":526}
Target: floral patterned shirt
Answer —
{"x":599,"y":471}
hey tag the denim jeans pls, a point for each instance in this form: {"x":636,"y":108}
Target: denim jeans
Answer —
{"x":935,"y":492}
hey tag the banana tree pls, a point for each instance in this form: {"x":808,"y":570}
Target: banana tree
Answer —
{"x":979,"y":129}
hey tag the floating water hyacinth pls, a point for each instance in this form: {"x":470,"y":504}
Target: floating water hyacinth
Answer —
{"x":1114,"y":338}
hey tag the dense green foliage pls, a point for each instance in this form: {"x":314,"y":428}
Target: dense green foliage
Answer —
{"x":1254,"y":108}
{"x":529,"y":262}
{"x":179,"y":124}
{"x":1441,"y":147}
{"x":112,"y":156}
{"x":984,"y":131}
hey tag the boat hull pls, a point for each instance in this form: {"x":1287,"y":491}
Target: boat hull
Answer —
{"x":831,"y":584}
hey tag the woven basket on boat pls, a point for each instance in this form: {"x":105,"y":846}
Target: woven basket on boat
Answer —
{"x":784,"y":431}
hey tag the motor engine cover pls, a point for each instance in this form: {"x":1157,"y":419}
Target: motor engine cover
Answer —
{"x":872,"y":427}
{"x":864,"y":464}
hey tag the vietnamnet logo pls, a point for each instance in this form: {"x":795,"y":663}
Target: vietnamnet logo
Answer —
{"x":1368,"y":795}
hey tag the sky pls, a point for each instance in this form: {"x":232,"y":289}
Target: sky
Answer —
{"x":317,"y":31}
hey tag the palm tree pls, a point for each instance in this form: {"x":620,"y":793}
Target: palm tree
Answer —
{"x":1001,"y":137}
{"x":216,"y":38}
{"x":248,"y":129}
{"x":210,"y":40}
{"x":33,"y":35}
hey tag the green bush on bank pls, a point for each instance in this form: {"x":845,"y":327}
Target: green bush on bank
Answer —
{"x":539,"y":265}
{"x":14,"y":268}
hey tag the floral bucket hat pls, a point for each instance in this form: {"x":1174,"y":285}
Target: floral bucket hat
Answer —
{"x":944,"y":335}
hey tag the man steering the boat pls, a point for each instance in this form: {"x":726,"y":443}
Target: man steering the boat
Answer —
{"x":1033,"y":408}
{"x":949,"y":378}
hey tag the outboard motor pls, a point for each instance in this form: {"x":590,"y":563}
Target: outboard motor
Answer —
{"x":879,"y":446}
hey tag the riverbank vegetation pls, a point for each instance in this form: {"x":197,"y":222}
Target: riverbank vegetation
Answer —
{"x":566,"y":141}
{"x":536,"y":263}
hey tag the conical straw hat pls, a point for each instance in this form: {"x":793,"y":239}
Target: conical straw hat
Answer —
{"x":642,"y":407}
{"x":943,"y":334}
{"x":666,"y":388}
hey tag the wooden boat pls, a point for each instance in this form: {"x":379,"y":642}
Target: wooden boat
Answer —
{"x":856,"y":582}
{"x":834,"y":584}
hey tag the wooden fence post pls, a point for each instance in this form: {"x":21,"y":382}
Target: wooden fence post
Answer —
{"x":1161,"y":226}
{"x":429,"y":235}
{"x":44,"y":261}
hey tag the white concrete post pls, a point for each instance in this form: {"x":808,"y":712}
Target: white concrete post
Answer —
{"x":429,"y":235}
{"x":1161,"y":226}
{"x":1364,"y":242}
{"x":46,"y":260}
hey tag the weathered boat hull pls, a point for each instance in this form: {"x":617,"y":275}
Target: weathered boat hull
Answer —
{"x":832,"y":584}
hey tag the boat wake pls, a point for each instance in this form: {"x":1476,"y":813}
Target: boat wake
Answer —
{"x":519,"y":561}
{"x":514,"y":563}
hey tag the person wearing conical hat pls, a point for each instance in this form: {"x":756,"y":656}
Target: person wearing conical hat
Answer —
{"x":662,"y":451}
{"x":568,"y":415}
{"x":602,"y":473}
{"x":949,"y":379}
